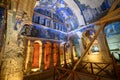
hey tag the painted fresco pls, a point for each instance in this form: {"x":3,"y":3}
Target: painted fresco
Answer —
{"x":112,"y":29}
{"x":77,"y":46}
{"x":43,"y":21}
{"x":93,"y":12}
{"x":57,"y":10}
{"x":1,"y":15}
{"x":112,"y":32}
{"x":72,"y":23}
{"x":2,"y":25}
{"x":77,"y":41}
{"x":42,"y":32}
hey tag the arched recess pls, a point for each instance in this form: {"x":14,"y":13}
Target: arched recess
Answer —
{"x":76,"y":47}
{"x":37,"y":55}
{"x":55,"y":53}
{"x":68,"y":54}
{"x":47,"y":54}
{"x":62,"y":54}
{"x":112,"y":32}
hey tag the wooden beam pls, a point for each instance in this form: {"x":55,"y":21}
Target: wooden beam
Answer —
{"x":83,"y":66}
{"x":88,"y":47}
{"x":102,"y":69}
{"x":58,"y":71}
{"x":115,"y":18}
{"x":62,"y":76}
{"x":18,"y":3}
{"x":114,"y":5}
{"x":78,"y":77}
{"x":98,"y":62}
{"x":111,"y":14}
{"x":99,"y":67}
{"x":91,"y":68}
{"x":97,"y":33}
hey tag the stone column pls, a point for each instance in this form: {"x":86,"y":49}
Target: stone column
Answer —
{"x":13,"y":56}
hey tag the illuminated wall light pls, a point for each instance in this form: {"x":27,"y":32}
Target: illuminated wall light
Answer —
{"x":35,"y":70}
{"x":27,"y":55}
{"x":95,"y":49}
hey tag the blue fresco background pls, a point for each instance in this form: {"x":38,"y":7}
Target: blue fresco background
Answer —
{"x":61,"y":12}
{"x":112,"y":32}
{"x":48,"y":33}
{"x":77,"y":35}
{"x":93,"y":14}
{"x":2,"y":26}
{"x":112,"y":29}
{"x":1,"y":14}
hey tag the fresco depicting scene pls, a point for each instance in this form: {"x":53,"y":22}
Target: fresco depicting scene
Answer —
{"x":78,"y":38}
{"x":112,"y":32}
{"x":92,"y":10}
{"x":2,"y":25}
{"x":59,"y":11}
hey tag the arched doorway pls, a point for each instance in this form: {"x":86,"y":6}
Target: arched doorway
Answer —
{"x":37,"y":55}
{"x":55,"y":53}
{"x":68,"y":54}
{"x":112,"y":32}
{"x":47,"y":55}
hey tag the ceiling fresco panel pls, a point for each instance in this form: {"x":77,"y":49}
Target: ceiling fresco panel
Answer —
{"x":92,"y":10}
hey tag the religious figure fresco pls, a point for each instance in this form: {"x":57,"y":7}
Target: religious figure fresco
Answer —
{"x":26,"y":30}
{"x":34,"y":32}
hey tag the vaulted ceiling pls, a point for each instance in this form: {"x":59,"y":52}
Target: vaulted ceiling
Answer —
{"x":67,"y":15}
{"x":76,"y":13}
